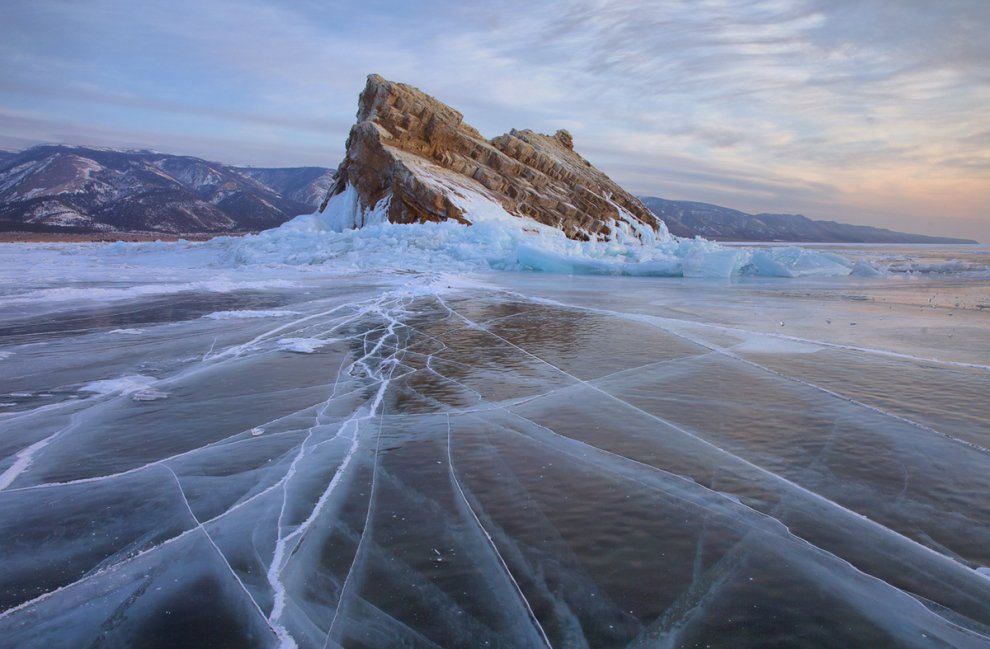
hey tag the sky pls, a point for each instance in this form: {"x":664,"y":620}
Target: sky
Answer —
{"x":860,"y":111}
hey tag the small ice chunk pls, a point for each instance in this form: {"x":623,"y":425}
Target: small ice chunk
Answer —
{"x":302,"y":345}
{"x":257,"y":430}
{"x":22,"y":395}
{"x":705,"y":261}
{"x":792,"y":261}
{"x":122,"y":385}
{"x":864,"y":269}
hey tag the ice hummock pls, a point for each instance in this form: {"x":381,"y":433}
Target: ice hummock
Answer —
{"x":350,"y":235}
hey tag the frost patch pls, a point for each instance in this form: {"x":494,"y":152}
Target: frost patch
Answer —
{"x":127,"y":332}
{"x":106,"y":293}
{"x":122,"y":385}
{"x":775,"y":345}
{"x":149,"y":394}
{"x":302,"y":345}
{"x":248,"y":314}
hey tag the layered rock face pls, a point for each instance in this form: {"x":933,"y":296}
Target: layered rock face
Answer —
{"x":419,"y":154}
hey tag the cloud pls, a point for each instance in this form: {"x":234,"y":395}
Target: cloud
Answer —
{"x":90,"y":95}
{"x":756,"y":104}
{"x":978,"y":164}
{"x":19,"y":131}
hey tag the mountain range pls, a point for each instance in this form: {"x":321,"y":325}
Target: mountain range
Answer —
{"x":80,"y":189}
{"x":57,"y":188}
{"x":689,"y":219}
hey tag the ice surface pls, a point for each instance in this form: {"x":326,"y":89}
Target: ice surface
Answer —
{"x":461,"y":456}
{"x":74,"y":294}
{"x":249,"y":313}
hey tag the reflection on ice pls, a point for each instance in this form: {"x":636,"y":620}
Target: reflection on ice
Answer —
{"x":518,"y":460}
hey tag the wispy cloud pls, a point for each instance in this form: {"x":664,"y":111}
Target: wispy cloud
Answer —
{"x":818,"y":106}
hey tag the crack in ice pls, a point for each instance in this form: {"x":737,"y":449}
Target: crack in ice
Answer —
{"x":223,"y":557}
{"x":774,"y":476}
{"x":491,"y":542}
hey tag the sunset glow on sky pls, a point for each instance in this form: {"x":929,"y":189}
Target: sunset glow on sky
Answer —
{"x":860,"y":111}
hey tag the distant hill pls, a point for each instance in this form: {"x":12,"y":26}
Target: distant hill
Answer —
{"x":80,"y":189}
{"x":307,"y":185}
{"x":689,"y":219}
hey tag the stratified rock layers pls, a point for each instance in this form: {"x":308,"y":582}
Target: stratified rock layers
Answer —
{"x":419,"y":154}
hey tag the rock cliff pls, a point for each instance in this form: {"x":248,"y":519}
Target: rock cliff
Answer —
{"x":418,"y":153}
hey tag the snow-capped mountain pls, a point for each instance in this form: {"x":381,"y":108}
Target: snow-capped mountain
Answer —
{"x":689,"y":219}
{"x":89,"y":189}
{"x":307,"y":185}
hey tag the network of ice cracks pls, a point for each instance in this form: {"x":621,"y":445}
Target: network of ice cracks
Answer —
{"x":283,"y":514}
{"x":302,"y":523}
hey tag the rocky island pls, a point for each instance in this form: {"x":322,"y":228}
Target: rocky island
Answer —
{"x":415,"y":152}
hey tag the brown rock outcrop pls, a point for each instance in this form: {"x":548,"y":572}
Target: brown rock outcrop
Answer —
{"x":419,"y":151}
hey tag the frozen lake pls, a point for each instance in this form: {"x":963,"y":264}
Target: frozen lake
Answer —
{"x":205,"y":453}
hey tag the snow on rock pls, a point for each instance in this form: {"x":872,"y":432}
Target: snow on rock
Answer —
{"x":405,"y":139}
